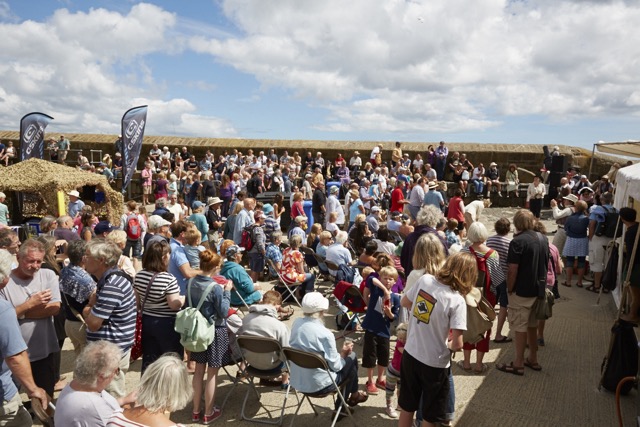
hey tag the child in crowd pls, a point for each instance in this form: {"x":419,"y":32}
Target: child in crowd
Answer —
{"x":451,"y":232}
{"x":192,"y":247}
{"x":393,"y":370}
{"x":367,"y":256}
{"x":332,"y":227}
{"x":382,"y":308}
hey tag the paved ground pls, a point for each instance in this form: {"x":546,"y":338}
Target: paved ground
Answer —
{"x":565,"y":392}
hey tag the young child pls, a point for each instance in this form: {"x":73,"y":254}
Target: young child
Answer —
{"x":192,"y":247}
{"x":332,"y":227}
{"x":393,"y":370}
{"x":4,"y":210}
{"x":450,"y":233}
{"x":382,"y":308}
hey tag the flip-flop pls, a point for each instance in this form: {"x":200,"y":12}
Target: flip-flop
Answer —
{"x":593,"y":289}
{"x":534,"y":366}
{"x":503,"y":340}
{"x":482,"y":370}
{"x":461,"y":366}
{"x":568,"y":285}
{"x":510,"y":369}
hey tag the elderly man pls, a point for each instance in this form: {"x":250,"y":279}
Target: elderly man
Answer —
{"x":338,"y":252}
{"x":64,"y":230}
{"x":85,"y":401}
{"x":527,"y":261}
{"x":373,"y":220}
{"x":157,"y":229}
{"x":75,"y":204}
{"x":299,"y":227}
{"x":426,"y":222}
{"x":161,"y":207}
{"x":13,"y":352}
{"x":333,"y":205}
{"x":416,"y":198}
{"x":244,"y":218}
{"x":110,"y":314}
{"x":35,"y":295}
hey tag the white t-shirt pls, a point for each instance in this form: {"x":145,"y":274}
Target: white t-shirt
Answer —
{"x":376,"y":150}
{"x":84,"y":408}
{"x":435,"y":309}
{"x":474,"y":209}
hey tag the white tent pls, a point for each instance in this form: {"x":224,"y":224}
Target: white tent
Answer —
{"x":627,"y":188}
{"x":628,"y":148}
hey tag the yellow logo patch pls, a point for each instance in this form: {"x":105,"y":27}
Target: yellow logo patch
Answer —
{"x":423,"y":307}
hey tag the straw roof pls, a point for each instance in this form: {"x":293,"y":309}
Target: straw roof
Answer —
{"x":47,"y":178}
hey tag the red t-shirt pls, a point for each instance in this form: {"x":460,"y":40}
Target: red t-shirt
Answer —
{"x":396,"y":197}
{"x":454,"y":209}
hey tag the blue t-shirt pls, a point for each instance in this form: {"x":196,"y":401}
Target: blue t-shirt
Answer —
{"x":178,"y":257}
{"x":116,"y":306}
{"x":354,"y":210}
{"x":433,"y":198}
{"x":375,"y":321}
{"x":11,"y":343}
{"x":201,"y":224}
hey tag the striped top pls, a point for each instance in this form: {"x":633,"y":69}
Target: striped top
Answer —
{"x":116,"y":306}
{"x":496,"y":274}
{"x":164,"y":284}
{"x":119,"y":420}
{"x":500,"y":244}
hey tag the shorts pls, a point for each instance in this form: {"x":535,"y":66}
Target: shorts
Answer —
{"x":62,"y":155}
{"x":146,"y":189}
{"x":597,"y":253}
{"x":420,"y":381}
{"x":521,"y":315}
{"x":256,"y":262}
{"x":375,"y":348}
{"x":136,"y":246}
{"x":502,"y":296}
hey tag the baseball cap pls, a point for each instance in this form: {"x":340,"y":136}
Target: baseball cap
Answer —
{"x":156,"y":221}
{"x":103,"y":227}
{"x":375,"y":209}
{"x":233,"y":250}
{"x":314,"y":302}
{"x":197,"y":204}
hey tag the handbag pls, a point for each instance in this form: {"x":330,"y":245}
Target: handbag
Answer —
{"x":136,"y":348}
{"x":480,"y":316}
{"x":543,"y":307}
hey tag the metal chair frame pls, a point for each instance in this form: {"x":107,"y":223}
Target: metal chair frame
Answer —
{"x":288,"y":286}
{"x":308,"y":360}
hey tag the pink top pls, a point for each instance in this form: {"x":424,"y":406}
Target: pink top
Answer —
{"x":397,"y":355}
{"x":146,"y":177}
{"x":119,"y":420}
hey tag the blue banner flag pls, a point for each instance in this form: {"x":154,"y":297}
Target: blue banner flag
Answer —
{"x":32,"y":128}
{"x":133,"y":124}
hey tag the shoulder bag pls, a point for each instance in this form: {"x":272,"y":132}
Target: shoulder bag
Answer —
{"x":136,"y":349}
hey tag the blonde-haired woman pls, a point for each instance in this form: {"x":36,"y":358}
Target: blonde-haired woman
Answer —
{"x":163,"y":388}
{"x":119,"y":237}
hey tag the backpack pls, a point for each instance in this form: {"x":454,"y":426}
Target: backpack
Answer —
{"x":484,"y":280}
{"x":609,"y":227}
{"x":246,"y":241}
{"x":196,"y":333}
{"x":480,"y":317}
{"x":132,"y":227}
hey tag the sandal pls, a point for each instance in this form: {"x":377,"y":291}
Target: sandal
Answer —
{"x":502,"y":340}
{"x":460,"y":364}
{"x":593,"y":289}
{"x":482,"y":369}
{"x":568,"y":285}
{"x":510,"y":369}
{"x":534,"y":366}
{"x":579,"y":285}
{"x":356,"y":398}
{"x":286,"y":315}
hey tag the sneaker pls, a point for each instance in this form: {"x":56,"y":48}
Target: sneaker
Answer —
{"x":208,"y":419}
{"x":391,"y":412}
{"x":371,"y":388}
{"x":381,"y":384}
{"x":195,"y":417}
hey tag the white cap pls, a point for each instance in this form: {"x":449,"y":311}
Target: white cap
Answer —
{"x":314,"y":302}
{"x":156,"y":221}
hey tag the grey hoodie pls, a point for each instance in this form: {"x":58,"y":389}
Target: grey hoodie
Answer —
{"x":262,"y":321}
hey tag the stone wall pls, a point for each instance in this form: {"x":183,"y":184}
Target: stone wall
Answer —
{"x":527,"y":156}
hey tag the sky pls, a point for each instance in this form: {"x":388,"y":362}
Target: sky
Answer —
{"x":495,"y":71}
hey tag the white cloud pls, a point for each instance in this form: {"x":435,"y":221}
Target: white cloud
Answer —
{"x":439,"y":65}
{"x":85,"y":68}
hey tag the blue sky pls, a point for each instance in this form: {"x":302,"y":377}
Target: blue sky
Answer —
{"x":541,"y":72}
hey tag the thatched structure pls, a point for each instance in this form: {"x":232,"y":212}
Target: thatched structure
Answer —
{"x":44,"y":179}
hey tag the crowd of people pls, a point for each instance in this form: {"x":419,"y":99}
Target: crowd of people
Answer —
{"x":390,"y":230}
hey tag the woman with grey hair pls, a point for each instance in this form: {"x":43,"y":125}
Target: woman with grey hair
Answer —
{"x":6,"y":261}
{"x":488,"y":262}
{"x":84,"y":401}
{"x":164,"y":388}
{"x":309,"y":334}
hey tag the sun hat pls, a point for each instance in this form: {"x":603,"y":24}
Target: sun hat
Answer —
{"x":433,"y":185}
{"x":213,"y":201}
{"x":73,"y":193}
{"x":492,"y":164}
{"x":571,"y":198}
{"x":314,"y":302}
{"x":267,"y":208}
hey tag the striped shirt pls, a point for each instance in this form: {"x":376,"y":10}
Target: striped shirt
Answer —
{"x":496,"y":274}
{"x":116,"y":306}
{"x":500,"y":244}
{"x":164,"y":284}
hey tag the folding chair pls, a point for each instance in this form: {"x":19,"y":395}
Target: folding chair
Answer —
{"x":308,"y":360}
{"x":351,"y":303}
{"x":261,"y":345}
{"x":396,"y":236}
{"x":288,"y":286}
{"x":321,"y":260}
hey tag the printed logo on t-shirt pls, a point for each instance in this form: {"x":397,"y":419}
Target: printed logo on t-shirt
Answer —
{"x":424,"y":306}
